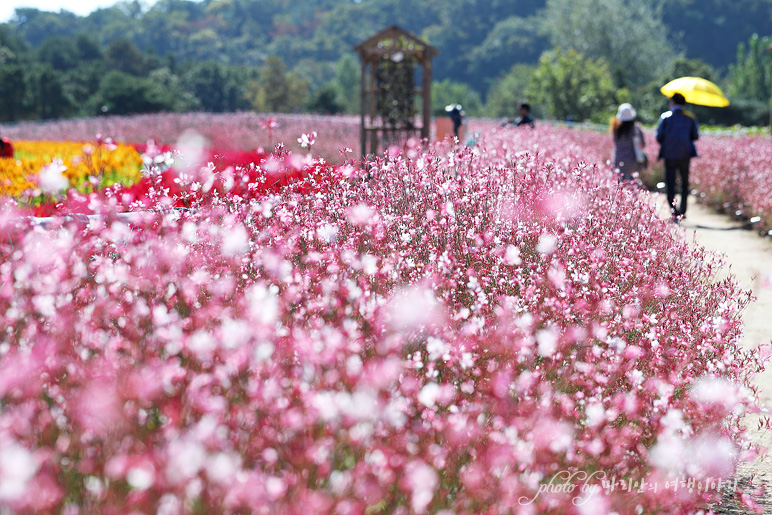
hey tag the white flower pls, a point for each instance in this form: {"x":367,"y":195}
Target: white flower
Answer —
{"x":236,"y":241}
{"x":221,"y":467}
{"x":307,"y":140}
{"x":512,"y":255}
{"x":715,"y":390}
{"x":429,"y":394}
{"x":17,"y":467}
{"x":596,"y":414}
{"x":264,"y":350}
{"x":547,"y":244}
{"x":234,"y":333}
{"x":328,"y":233}
{"x":263,"y":303}
{"x":202,"y":344}
{"x":422,"y":480}
{"x":50,"y":178}
{"x":186,"y":458}
{"x":547,"y":340}
{"x":435,"y":347}
{"x":413,"y":307}
{"x":141,"y":477}
{"x":360,"y":214}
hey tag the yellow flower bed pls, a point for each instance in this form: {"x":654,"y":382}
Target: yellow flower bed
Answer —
{"x":109,"y":163}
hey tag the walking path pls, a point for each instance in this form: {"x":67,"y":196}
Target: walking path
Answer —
{"x":749,"y":259}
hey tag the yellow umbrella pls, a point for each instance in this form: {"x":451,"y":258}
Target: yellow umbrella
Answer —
{"x":696,"y":91}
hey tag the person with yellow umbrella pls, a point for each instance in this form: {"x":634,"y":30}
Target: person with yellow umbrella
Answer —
{"x":678,"y":130}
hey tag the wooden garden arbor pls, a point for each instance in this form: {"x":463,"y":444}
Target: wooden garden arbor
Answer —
{"x":390,"y":61}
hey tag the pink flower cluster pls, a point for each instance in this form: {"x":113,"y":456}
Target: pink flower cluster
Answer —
{"x":732,"y":173}
{"x":440,"y":331}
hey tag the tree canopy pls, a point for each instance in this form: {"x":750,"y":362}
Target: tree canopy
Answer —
{"x":629,"y":34}
{"x":569,"y":85}
{"x":211,"y":54}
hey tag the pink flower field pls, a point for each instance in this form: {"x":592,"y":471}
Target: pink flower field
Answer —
{"x":239,"y":131}
{"x":734,"y":175}
{"x":492,"y":329}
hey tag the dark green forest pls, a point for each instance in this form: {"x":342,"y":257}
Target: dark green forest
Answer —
{"x":569,"y":58}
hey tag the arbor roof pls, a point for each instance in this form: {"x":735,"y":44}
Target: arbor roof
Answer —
{"x":384,"y":42}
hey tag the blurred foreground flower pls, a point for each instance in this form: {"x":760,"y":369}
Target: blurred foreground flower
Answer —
{"x":50,"y":178}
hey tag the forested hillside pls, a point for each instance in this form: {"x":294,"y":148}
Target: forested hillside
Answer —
{"x":310,"y":43}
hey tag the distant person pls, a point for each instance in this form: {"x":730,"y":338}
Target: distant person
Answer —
{"x":676,"y":133}
{"x":456,"y":114}
{"x":6,"y":148}
{"x":627,"y":134}
{"x":524,"y":116}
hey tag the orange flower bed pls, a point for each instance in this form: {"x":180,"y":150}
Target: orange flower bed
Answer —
{"x":110,"y":163}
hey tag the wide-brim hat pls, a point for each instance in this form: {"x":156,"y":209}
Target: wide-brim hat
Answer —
{"x":626,"y":113}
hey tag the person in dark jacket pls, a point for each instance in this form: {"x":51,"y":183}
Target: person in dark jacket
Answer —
{"x":676,"y":133}
{"x":456,"y":116}
{"x":524,"y":116}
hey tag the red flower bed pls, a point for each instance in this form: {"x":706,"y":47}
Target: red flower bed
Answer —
{"x":215,"y":173}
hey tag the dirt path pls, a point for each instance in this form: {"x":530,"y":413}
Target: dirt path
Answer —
{"x":749,"y":259}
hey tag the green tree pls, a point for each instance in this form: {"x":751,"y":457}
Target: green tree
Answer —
{"x":325,"y":100}
{"x":204,"y":45}
{"x":509,"y":91}
{"x":87,"y":49}
{"x":316,"y":73}
{"x":121,"y":93}
{"x":49,"y":99}
{"x":217,"y":87}
{"x":59,"y":52}
{"x":35,"y":26}
{"x":82,"y":83}
{"x":629,"y":35}
{"x":569,"y":84}
{"x":347,"y":79}
{"x":124,"y":56}
{"x":113,"y":23}
{"x":239,"y":78}
{"x":447,"y":92}
{"x":478,"y":43}
{"x":172,"y":93}
{"x":275,"y":90}
{"x":462,"y":26}
{"x":14,"y":87}
{"x":684,"y":67}
{"x":712,"y":29}
{"x":512,"y":40}
{"x":11,"y":46}
{"x":751,"y":76}
{"x":748,"y":87}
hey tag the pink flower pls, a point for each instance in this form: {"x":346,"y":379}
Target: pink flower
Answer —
{"x":268,"y":123}
{"x":98,"y":408}
{"x":421,"y":480}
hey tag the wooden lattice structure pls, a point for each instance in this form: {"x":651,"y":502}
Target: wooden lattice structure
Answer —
{"x":393,"y":61}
